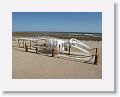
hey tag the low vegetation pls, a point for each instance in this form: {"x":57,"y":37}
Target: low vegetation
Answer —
{"x":61,"y":35}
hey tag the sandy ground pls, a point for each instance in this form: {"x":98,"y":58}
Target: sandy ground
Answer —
{"x":29,"y":65}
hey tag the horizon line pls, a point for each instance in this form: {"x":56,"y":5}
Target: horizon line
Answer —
{"x":57,"y":31}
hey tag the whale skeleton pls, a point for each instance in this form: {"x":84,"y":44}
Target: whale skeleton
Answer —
{"x":59,"y":44}
{"x":79,"y":45}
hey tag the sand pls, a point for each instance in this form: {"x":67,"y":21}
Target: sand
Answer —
{"x":29,"y":65}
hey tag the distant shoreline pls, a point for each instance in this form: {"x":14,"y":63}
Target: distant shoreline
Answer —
{"x":62,"y":35}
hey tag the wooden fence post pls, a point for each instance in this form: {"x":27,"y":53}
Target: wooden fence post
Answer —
{"x":26,"y":48}
{"x":69,"y":49}
{"x":96,"y":57}
{"x":53,"y":52}
{"x":36,"y":50}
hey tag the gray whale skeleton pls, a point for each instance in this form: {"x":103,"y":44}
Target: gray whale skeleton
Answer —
{"x":59,"y":45}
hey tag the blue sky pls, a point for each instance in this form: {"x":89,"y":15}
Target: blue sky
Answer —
{"x":57,"y":21}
